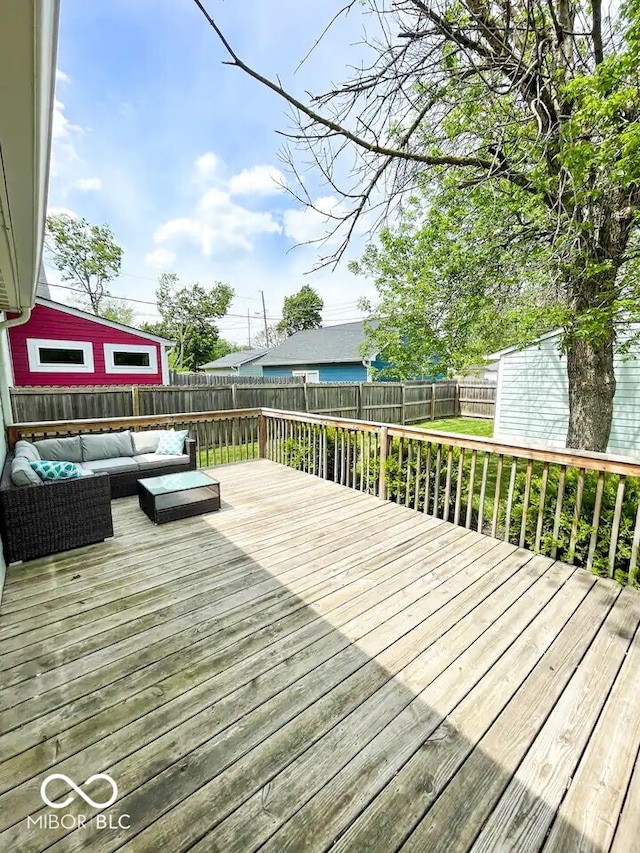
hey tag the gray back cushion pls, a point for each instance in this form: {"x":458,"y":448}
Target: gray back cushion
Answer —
{"x":106,"y":445}
{"x":26,"y":450}
{"x":22,"y":474}
{"x":146,"y":441}
{"x":59,"y":449}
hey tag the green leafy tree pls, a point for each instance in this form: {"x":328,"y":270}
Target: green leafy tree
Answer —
{"x":536,"y":96}
{"x":448,"y":294}
{"x":118,"y":311}
{"x":301,"y":310}
{"x":186,"y":317}
{"x":87,"y":256}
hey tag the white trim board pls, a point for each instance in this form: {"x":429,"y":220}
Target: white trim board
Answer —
{"x":111,"y":367}
{"x":35,"y":365}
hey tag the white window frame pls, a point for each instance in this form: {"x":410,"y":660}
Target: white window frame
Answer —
{"x":308,"y":375}
{"x":34,"y":345}
{"x":111,"y":367}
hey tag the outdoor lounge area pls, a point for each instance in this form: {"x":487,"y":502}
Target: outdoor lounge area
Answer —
{"x":312,"y":668}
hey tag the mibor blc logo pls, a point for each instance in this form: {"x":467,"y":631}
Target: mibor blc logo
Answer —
{"x":64,"y":803}
{"x":72,"y":821}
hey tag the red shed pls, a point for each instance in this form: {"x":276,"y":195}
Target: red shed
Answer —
{"x":62,"y":345}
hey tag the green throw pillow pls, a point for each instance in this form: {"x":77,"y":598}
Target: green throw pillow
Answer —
{"x":56,"y":470}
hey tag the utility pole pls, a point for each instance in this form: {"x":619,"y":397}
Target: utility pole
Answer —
{"x":249,"y":327}
{"x":264,"y":314}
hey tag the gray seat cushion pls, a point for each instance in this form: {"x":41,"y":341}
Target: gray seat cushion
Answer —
{"x":149,"y":460}
{"x":106,"y":445}
{"x":146,"y":441}
{"x":60,"y":449}
{"x":112,"y":466}
{"x":22,"y":474}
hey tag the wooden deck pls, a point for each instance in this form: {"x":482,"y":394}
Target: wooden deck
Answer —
{"x":313,"y":669}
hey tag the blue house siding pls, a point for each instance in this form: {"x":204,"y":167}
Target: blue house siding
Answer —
{"x":346,"y":372}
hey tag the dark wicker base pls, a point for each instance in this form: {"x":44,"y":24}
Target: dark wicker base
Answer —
{"x":182,"y":504}
{"x":40,"y":520}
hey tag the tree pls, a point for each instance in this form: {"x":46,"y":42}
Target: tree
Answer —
{"x":119,"y":311}
{"x":539,"y":96}
{"x":449,"y":294}
{"x":301,"y":310}
{"x":186,"y":317}
{"x":86,"y":255}
{"x":273,"y":336}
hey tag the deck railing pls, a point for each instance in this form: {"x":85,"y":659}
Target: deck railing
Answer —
{"x":582,"y":508}
{"x":221,"y":437}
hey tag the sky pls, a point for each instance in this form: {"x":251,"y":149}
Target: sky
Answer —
{"x":179,"y":154}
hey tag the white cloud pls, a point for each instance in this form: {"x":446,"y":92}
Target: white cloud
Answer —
{"x":160,"y":259}
{"x":258,"y":180}
{"x":64,"y":138}
{"x":61,"y":77}
{"x":88,"y":184}
{"x":218,"y":224}
{"x":56,"y":211}
{"x":207,"y":166}
{"x":306,"y":224}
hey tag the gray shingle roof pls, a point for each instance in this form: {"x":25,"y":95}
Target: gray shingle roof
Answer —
{"x":235,"y":359}
{"x":327,"y":345}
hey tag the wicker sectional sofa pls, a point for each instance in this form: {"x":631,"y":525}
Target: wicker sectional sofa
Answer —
{"x":42,"y":518}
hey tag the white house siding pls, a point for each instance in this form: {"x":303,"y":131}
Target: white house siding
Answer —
{"x":532,"y":402}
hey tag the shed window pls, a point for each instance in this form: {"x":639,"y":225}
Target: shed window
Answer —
{"x":56,"y":355}
{"x":130,"y":358}
{"x":124,"y":358}
{"x":49,"y":356}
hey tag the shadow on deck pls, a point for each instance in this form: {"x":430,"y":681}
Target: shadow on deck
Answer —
{"x":311,"y":668}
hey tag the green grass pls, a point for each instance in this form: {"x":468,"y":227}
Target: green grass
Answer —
{"x":233,"y":453}
{"x":468,"y":426}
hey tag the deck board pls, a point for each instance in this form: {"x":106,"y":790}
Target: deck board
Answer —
{"x":313,"y":669}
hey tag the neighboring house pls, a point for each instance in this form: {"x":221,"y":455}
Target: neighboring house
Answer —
{"x":28,"y":42}
{"x":532,"y":396}
{"x":241,"y":362}
{"x":62,"y":345}
{"x":328,"y":354}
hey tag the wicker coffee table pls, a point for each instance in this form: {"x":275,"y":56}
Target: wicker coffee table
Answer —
{"x":176,"y":496}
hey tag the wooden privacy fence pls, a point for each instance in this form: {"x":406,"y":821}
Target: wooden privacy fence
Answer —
{"x":582,"y":508}
{"x":391,"y":402}
{"x":476,"y":398}
{"x":177,"y":378}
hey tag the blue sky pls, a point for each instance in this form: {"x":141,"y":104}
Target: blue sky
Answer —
{"x":177,"y":152}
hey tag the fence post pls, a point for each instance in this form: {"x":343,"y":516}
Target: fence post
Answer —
{"x":456,"y":395}
{"x":433,"y":401}
{"x":306,"y":396}
{"x":403,"y":409}
{"x":234,"y":396}
{"x":262,"y":436}
{"x":382,"y":473}
{"x":359,"y":415}
{"x":135,"y":401}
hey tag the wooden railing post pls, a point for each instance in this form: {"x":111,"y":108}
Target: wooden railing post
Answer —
{"x":262,"y":436}
{"x":382,"y":473}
